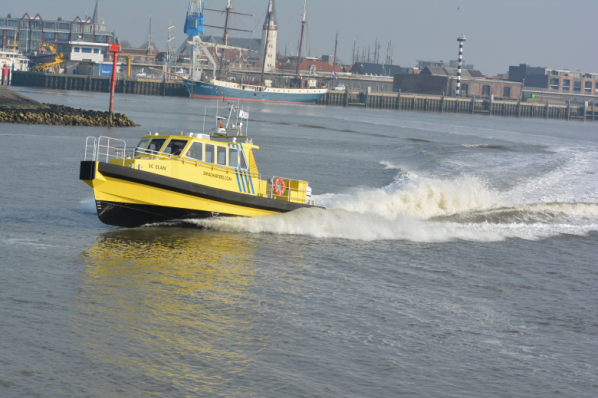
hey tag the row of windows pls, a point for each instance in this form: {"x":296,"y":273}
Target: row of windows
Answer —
{"x":554,"y":85}
{"x":36,"y":35}
{"x":37,"y":24}
{"x":209,"y":153}
{"x":50,"y":36}
{"x":85,"y":50}
{"x":506,"y":92}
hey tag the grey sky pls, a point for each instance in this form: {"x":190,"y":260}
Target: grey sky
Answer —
{"x":556,"y":34}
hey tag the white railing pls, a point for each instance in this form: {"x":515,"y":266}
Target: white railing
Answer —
{"x":108,"y":149}
{"x":104,"y":149}
{"x":91,"y":148}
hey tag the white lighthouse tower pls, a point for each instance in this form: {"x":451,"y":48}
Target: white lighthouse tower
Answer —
{"x":269,"y":39}
{"x":461,"y":39}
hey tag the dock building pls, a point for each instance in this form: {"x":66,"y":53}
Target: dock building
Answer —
{"x":436,"y":80}
{"x":555,"y":80}
{"x":371,"y":69}
{"x":27,"y":33}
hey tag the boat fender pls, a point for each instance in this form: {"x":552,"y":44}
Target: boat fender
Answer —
{"x":279,"y":186}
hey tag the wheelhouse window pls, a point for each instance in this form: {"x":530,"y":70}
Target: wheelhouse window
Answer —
{"x":221,"y":155}
{"x":195,"y":151}
{"x":233,"y":157}
{"x":141,"y":147}
{"x":156,"y":144}
{"x":175,"y":147}
{"x":210,"y":153}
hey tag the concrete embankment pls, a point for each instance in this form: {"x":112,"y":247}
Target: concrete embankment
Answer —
{"x":484,"y":106}
{"x":99,"y":84}
{"x":17,"y":108}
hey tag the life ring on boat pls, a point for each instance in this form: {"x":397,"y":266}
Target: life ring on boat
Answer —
{"x":279,"y":186}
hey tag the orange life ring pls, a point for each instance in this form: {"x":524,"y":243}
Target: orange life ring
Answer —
{"x":279,"y":186}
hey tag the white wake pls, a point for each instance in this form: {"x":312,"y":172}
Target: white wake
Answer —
{"x":422,"y":209}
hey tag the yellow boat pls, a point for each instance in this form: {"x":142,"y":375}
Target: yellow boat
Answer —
{"x":172,"y":177}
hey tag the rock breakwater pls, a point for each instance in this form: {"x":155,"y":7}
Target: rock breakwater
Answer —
{"x":66,"y":116}
{"x":16,"y":108}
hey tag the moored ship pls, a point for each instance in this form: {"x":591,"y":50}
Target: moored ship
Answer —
{"x":14,"y":60}
{"x":300,"y":90}
{"x":219,"y":89}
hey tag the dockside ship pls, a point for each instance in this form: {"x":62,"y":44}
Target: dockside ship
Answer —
{"x":219,"y":89}
{"x":300,"y":90}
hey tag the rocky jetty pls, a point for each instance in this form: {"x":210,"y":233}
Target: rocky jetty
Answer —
{"x":16,"y":108}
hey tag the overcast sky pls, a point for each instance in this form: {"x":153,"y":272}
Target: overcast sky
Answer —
{"x":555,"y":34}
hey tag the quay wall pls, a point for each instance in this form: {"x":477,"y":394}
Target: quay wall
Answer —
{"x":417,"y":102}
{"x":391,"y":101}
{"x":98,"y":84}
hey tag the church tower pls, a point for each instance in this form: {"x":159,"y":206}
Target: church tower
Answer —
{"x":96,"y":13}
{"x":272,"y":31}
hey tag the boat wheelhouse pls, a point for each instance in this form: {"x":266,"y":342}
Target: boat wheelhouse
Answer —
{"x":171,"y":177}
{"x":14,"y":60}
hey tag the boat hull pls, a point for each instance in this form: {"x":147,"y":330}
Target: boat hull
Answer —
{"x":44,"y":59}
{"x":198,"y":89}
{"x":131,"y":215}
{"x":127,"y":197}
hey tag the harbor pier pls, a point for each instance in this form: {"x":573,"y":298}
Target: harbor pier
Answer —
{"x":99,"y":84}
{"x":484,"y":106}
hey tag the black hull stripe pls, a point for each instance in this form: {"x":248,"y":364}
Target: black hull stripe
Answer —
{"x":132,"y":215}
{"x":197,"y":190}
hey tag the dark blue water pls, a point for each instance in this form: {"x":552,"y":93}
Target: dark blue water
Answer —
{"x":456,"y":257}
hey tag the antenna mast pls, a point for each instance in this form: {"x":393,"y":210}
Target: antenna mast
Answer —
{"x":335,"y":47}
{"x":301,"y":38}
{"x":150,"y":49}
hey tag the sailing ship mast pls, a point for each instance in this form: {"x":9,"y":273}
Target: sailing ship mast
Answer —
{"x":225,"y":36}
{"x":301,"y":39}
{"x":226,"y":28}
{"x":268,"y":19}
